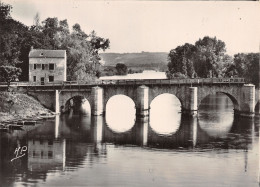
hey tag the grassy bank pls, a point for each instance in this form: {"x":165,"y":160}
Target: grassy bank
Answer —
{"x":17,"y":106}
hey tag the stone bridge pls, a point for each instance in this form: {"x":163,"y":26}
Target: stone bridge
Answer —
{"x":190,"y":93}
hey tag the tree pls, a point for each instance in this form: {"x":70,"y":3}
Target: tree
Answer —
{"x":209,"y":56}
{"x":36,"y":21}
{"x":206,"y":58}
{"x":9,"y":73}
{"x":5,"y":11}
{"x":190,"y":69}
{"x":245,"y":65}
{"x":121,"y":69}
{"x":181,"y":61}
{"x":11,"y":38}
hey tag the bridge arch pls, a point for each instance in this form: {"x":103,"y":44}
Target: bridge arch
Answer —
{"x":123,"y":96}
{"x":175,"y":91}
{"x":234,"y":100}
{"x":165,"y":94}
{"x":78,"y":103}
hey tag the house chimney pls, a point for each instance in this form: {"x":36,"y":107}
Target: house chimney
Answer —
{"x":31,"y":48}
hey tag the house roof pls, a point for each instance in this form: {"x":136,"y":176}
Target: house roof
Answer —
{"x":43,"y":53}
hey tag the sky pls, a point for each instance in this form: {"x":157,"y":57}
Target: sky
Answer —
{"x":153,"y":26}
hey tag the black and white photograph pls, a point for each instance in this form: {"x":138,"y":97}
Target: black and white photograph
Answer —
{"x":129,"y":93}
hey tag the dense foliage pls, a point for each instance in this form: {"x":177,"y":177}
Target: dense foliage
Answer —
{"x":121,"y":69}
{"x":9,"y":73}
{"x":208,"y":58}
{"x":244,"y":65}
{"x":17,"y":39}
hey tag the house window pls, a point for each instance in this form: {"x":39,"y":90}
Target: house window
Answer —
{"x":50,"y":142}
{"x":34,"y":78}
{"x":34,"y":154}
{"x":51,"y":78}
{"x":41,"y":154}
{"x":51,"y":66}
{"x":50,"y":154}
{"x":34,"y":66}
{"x":42,"y":66}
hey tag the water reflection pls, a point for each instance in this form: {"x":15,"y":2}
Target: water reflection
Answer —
{"x":84,"y":150}
{"x":216,"y":115}
{"x":165,"y":114}
{"x":194,"y":125}
{"x":138,"y":135}
{"x":45,"y":155}
{"x":97,"y":126}
{"x":144,"y":123}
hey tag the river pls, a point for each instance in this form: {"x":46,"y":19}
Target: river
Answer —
{"x":167,"y":148}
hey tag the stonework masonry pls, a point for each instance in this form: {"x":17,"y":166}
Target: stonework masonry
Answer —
{"x":190,"y":97}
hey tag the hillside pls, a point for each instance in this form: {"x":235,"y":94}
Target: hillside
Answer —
{"x":137,"y":61}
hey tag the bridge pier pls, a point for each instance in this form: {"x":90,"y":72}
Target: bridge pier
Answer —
{"x":192,"y":104}
{"x":142,"y":105}
{"x":98,"y":101}
{"x":247,"y":106}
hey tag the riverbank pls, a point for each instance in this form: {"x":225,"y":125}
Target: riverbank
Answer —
{"x":18,"y":106}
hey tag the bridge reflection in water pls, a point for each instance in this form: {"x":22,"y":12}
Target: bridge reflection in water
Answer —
{"x":71,"y":143}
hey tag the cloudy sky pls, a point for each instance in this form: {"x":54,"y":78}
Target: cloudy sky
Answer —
{"x":135,"y":26}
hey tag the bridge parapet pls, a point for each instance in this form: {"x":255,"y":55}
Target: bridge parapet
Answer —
{"x":128,"y":82}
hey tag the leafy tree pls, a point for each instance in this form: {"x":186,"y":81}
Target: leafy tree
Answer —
{"x":206,"y":58}
{"x":209,"y":55}
{"x":190,"y":69}
{"x":245,"y":65}
{"x":11,"y":37}
{"x":9,"y":73}
{"x":36,"y":21}
{"x":5,"y":11}
{"x":121,"y":69}
{"x":181,"y":61}
{"x":82,"y":51}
